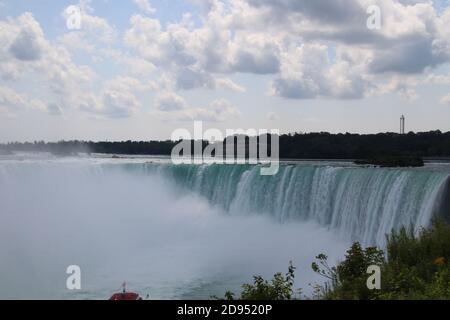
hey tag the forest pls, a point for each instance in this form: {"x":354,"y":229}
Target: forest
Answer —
{"x":321,"y":145}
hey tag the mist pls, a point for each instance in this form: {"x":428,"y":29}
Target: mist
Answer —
{"x":122,"y":226}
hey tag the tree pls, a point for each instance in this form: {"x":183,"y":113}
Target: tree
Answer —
{"x":348,"y":279}
{"x":281,"y":287}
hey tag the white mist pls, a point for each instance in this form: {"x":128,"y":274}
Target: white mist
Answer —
{"x":121,"y":226}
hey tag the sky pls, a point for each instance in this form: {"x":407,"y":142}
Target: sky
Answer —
{"x":140,"y":69}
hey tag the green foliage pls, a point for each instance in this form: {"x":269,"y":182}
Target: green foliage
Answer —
{"x":281,"y":287}
{"x":320,"y":145}
{"x":348,"y":279}
{"x":416,"y":268}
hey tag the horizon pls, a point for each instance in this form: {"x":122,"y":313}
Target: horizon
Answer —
{"x":170,"y":140}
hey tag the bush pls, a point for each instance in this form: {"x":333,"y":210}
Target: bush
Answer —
{"x":281,"y":287}
{"x":348,"y":280}
{"x":416,"y":268}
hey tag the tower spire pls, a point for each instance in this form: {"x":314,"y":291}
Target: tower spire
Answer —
{"x":402,"y":124}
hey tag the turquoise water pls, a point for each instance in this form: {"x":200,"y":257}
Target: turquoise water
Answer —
{"x":364,"y":203}
{"x":192,"y":231}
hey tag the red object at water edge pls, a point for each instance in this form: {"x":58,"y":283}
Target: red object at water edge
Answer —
{"x":124,"y":295}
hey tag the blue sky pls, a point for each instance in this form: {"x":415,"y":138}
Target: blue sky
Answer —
{"x":140,"y":69}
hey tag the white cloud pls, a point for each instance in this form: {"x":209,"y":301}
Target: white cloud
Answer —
{"x":255,"y":53}
{"x":438,"y":79}
{"x":191,"y":78}
{"x":145,"y":6}
{"x":171,"y":107}
{"x":94,"y":35}
{"x":9,"y":99}
{"x":26,"y":46}
{"x":119,"y":104}
{"x":53,"y":66}
{"x":404,"y":86}
{"x":169,"y":101}
{"x":116,"y":99}
{"x":21,"y":40}
{"x":267,"y":37}
{"x":304,"y":49}
{"x":226,"y":83}
{"x":13,"y":102}
{"x":413,"y":33}
{"x":309,"y":73}
{"x":72,"y":85}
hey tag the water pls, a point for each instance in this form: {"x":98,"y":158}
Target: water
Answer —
{"x":364,"y":203}
{"x":190,"y":231}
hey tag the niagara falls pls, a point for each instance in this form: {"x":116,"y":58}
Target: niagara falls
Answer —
{"x":225,"y":159}
{"x":193,"y":231}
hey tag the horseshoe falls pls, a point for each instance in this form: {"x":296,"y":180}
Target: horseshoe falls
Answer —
{"x":363,"y":203}
{"x":193,"y":231}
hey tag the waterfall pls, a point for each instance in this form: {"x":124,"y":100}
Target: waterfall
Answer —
{"x":363,"y":203}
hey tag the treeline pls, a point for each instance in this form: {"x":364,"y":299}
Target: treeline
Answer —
{"x":76,"y":147}
{"x":355,"y":146}
{"x":321,"y":145}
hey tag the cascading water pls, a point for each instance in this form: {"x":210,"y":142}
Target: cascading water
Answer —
{"x":192,"y":231}
{"x":364,"y":203}
{"x":121,"y":222}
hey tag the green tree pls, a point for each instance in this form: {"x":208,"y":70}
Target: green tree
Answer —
{"x":348,"y":279}
{"x":280,"y":287}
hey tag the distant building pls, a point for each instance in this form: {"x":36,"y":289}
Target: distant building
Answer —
{"x":402,"y":124}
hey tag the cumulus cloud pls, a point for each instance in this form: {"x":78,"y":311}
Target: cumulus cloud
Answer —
{"x":309,"y":73}
{"x":255,"y":54}
{"x":48,"y":62}
{"x":404,"y":86}
{"x":189,"y":78}
{"x":145,"y":6}
{"x":207,"y":49}
{"x":221,"y":110}
{"x":116,"y":99}
{"x":21,"y":40}
{"x":94,"y":35}
{"x":13,"y":102}
{"x":119,"y":104}
{"x":169,"y":101}
{"x":172,"y":107}
{"x":26,"y":46}
{"x":9,"y":99}
{"x":407,"y":57}
{"x":27,"y":53}
{"x":324,"y":11}
{"x":226,"y":83}
{"x":27,"y":42}
{"x":266,"y":37}
{"x":439,"y":79}
{"x":304,"y":49}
